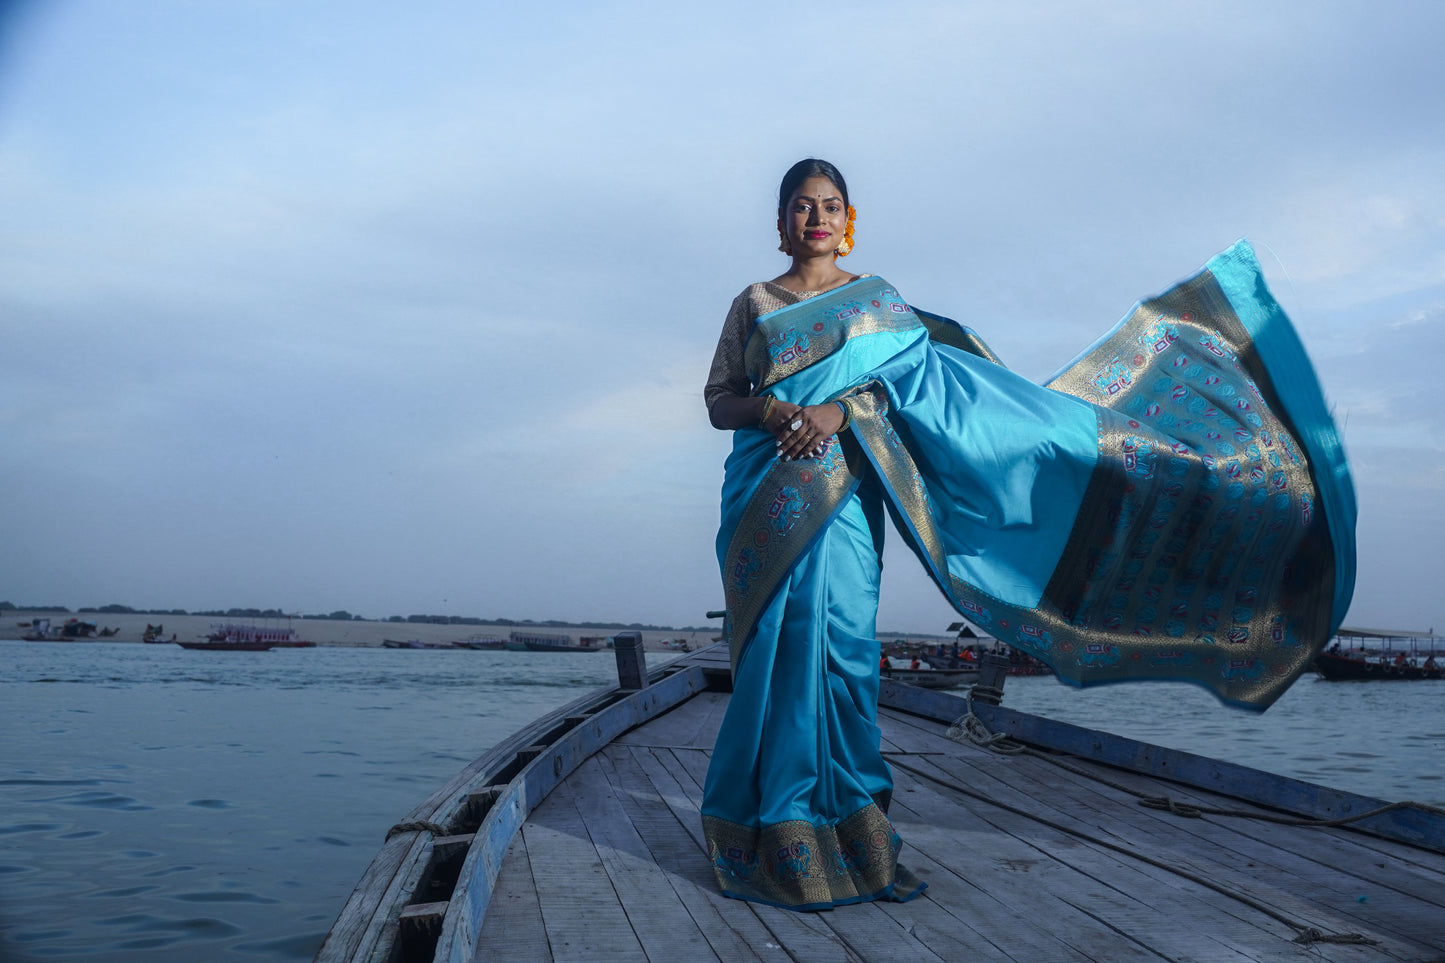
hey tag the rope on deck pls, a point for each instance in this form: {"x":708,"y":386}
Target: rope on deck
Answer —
{"x":970,"y":728}
{"x":417,"y":826}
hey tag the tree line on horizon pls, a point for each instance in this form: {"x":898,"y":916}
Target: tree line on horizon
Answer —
{"x":341,"y":615}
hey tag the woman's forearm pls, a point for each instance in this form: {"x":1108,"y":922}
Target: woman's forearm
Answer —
{"x":736,"y":411}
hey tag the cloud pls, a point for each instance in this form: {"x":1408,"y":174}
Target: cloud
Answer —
{"x":367,"y":306}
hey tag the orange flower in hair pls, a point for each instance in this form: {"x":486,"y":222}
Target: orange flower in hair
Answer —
{"x":847,"y":244}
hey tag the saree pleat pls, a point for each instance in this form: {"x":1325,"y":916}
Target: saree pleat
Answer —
{"x":796,"y":794}
{"x":1174,"y":505}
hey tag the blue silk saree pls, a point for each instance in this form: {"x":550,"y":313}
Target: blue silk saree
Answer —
{"x":1174,"y":505}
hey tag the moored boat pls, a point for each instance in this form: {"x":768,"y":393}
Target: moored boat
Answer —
{"x":280,"y":638}
{"x":1344,"y":668}
{"x":539,"y":642}
{"x":483,"y":643}
{"x":1386,"y":655}
{"x":72,"y":630}
{"x":418,"y":644}
{"x":933,"y":678}
{"x":211,"y":645}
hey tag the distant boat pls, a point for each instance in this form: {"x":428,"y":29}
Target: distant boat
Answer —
{"x":931,"y":678}
{"x":1020,"y":662}
{"x":277,"y":637}
{"x":73,"y":630}
{"x":485,"y":642}
{"x":537,"y":642}
{"x":418,"y":644}
{"x":1344,"y":668}
{"x":208,"y":645}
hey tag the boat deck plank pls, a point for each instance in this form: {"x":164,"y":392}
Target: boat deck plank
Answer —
{"x":694,"y":724}
{"x":515,"y":930}
{"x":1155,"y":910}
{"x":1067,"y":888}
{"x":581,"y":910}
{"x":674,"y":851}
{"x":1333,"y":863}
{"x":1270,"y":873}
{"x":1025,"y":861}
{"x":1236,"y":853}
{"x":1338,"y":850}
{"x":647,"y":896}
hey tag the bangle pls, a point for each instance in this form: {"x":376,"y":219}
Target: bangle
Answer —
{"x":767,"y":410}
{"x":847,"y":407}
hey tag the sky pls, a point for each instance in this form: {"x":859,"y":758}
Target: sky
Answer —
{"x":407,"y":308}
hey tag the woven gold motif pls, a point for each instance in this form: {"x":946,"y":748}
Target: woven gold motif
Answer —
{"x":794,"y":503}
{"x":1199,"y":552}
{"x":778,"y":349}
{"x":803,"y":866}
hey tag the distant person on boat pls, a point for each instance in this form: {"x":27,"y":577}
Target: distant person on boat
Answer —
{"x":1121,"y":523}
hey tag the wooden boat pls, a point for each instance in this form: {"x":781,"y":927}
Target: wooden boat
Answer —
{"x":579,"y":838}
{"x":71,"y":630}
{"x":537,"y":642}
{"x":417,"y":644}
{"x":278,"y":637}
{"x":484,"y":643}
{"x":208,"y":645}
{"x":1345,"y":668}
{"x":934,"y":678}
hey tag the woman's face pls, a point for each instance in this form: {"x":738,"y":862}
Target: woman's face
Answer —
{"x":815,"y":218}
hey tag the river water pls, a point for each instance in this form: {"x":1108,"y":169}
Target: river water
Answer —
{"x":162,"y":804}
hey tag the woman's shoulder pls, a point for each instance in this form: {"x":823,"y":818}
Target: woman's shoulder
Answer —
{"x":763,"y":297}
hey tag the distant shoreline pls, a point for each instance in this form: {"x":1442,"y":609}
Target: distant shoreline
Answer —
{"x":353,"y":632}
{"x":188,"y":628}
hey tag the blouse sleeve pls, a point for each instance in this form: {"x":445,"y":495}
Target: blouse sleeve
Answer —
{"x":729,"y":374}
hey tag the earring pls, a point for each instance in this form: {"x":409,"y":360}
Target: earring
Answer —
{"x":784,"y":245}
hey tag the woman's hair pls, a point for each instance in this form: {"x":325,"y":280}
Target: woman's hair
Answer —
{"x":804,"y":169}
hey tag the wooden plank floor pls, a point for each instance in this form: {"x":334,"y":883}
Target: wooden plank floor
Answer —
{"x":1025,"y":862}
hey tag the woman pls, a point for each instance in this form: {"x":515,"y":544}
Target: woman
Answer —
{"x":1175,"y":505}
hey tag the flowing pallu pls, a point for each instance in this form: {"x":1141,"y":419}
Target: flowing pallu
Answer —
{"x":1174,"y":505}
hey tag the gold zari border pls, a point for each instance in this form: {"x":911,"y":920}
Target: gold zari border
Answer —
{"x":794,"y":502}
{"x":1200,"y":552}
{"x":803,"y":866}
{"x":779,"y":348}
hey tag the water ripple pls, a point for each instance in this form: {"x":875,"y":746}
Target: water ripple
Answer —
{"x":101,"y":800}
{"x":121,"y":893}
{"x":302,"y":947}
{"x":223,"y":896}
{"x":169,"y":871}
{"x":28,"y":828}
